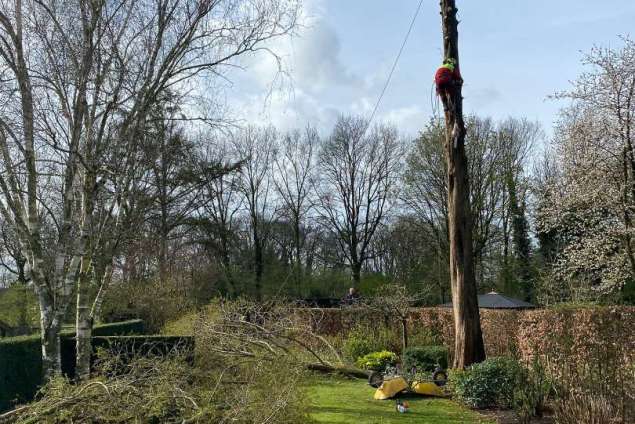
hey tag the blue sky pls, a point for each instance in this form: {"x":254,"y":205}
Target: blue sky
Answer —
{"x":513,"y":55}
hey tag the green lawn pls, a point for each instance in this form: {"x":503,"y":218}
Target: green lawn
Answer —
{"x":351,"y":401}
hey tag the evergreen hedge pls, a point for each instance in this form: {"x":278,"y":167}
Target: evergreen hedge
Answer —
{"x":20,"y":369}
{"x":21,"y":360}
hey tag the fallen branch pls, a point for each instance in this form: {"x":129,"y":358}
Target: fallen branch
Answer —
{"x":347,"y":371}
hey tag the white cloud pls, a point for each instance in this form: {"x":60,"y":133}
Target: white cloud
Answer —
{"x":317,"y":84}
{"x":408,"y":120}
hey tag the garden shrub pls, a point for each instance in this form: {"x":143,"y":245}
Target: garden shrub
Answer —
{"x":363,"y":340}
{"x":377,"y":361}
{"x":490,"y":383}
{"x":532,"y":391}
{"x":425,"y":358}
{"x":358,"y":343}
{"x":587,"y":352}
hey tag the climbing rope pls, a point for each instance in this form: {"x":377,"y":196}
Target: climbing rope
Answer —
{"x":392,"y":70}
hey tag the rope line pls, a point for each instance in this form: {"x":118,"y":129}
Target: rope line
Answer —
{"x":394,"y":66}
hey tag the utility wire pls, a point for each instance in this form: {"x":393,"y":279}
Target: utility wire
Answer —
{"x":394,"y":66}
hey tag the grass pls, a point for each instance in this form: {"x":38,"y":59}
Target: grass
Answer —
{"x":337,"y":401}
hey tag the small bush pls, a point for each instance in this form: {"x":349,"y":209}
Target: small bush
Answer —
{"x":358,"y":344}
{"x":531,"y":392}
{"x":363,"y":340}
{"x":425,"y":358}
{"x":490,"y":383}
{"x":377,"y":361}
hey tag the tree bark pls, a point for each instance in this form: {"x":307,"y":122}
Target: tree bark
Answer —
{"x":50,"y":337}
{"x":356,"y":269}
{"x":83,"y":324}
{"x":468,"y":346}
{"x":404,"y":334}
{"x":258,"y":260}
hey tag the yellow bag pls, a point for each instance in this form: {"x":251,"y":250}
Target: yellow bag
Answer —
{"x":390,"y":387}
{"x":427,"y":388}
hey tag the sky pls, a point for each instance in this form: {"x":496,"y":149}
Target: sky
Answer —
{"x":513,"y":53}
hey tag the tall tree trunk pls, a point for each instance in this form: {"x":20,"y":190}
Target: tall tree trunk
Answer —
{"x":357,"y":273}
{"x":258,"y":261}
{"x":49,"y":335}
{"x":468,"y":346}
{"x":83,"y":324}
{"x":106,"y":277}
{"x":404,"y":335}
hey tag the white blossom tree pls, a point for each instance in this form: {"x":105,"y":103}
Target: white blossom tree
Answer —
{"x":590,"y":204}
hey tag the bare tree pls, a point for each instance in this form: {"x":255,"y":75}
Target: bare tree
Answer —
{"x":217,"y":221}
{"x":358,"y":178}
{"x":256,"y":149}
{"x":78,"y":76}
{"x":394,"y":302}
{"x":294,"y":167}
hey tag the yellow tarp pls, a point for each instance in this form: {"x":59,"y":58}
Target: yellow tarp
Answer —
{"x":390,"y":388}
{"x":427,"y":388}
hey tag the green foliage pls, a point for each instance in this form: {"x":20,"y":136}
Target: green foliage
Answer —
{"x":377,"y":361}
{"x":183,"y":326}
{"x":425,"y":358}
{"x":363,"y":340}
{"x":358,"y":344}
{"x":18,"y":307}
{"x":20,"y":369}
{"x":154,"y":302}
{"x":371,"y":283}
{"x":490,"y":383}
{"x":122,"y":328}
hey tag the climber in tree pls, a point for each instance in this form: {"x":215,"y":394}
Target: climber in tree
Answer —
{"x":447,"y":78}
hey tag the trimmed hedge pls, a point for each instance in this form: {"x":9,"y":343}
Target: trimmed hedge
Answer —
{"x":21,"y":360}
{"x":127,"y":347}
{"x":123,"y":328}
{"x":20,"y":369}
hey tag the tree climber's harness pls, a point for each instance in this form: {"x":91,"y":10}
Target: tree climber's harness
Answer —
{"x":447,"y":79}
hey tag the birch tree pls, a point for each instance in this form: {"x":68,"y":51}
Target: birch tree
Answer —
{"x":78,"y":81}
